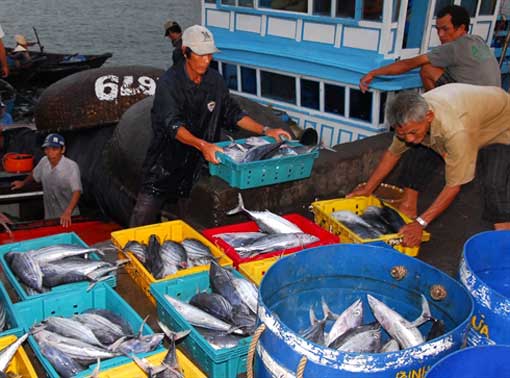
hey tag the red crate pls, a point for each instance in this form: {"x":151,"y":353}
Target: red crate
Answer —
{"x":303,"y":223}
{"x":89,"y":231}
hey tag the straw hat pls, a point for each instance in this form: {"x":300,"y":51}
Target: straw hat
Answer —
{"x":20,"y":39}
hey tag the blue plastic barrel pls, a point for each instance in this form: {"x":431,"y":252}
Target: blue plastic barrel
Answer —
{"x":487,"y":361}
{"x":485,"y":271}
{"x":341,"y":274}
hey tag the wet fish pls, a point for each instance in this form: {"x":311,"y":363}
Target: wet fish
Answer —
{"x":261,"y":152}
{"x":350,"y":318}
{"x":136,"y":248}
{"x":244,"y":319}
{"x":356,"y":224}
{"x":140,"y":344}
{"x":61,"y":362}
{"x":247,"y":291}
{"x":390,"y":346}
{"x":174,"y":253}
{"x":438,"y":328}
{"x":56,"y":252}
{"x":113,"y":317}
{"x":315,"y":332}
{"x":214,"y":304}
{"x":266,"y":220}
{"x":392,"y":217}
{"x":3,"y":315}
{"x":198,"y":317}
{"x":27,"y":270}
{"x":373,"y":216}
{"x":105,"y":330}
{"x":9,"y":351}
{"x":154,"y":262}
{"x":198,"y":253}
{"x":239,"y":239}
{"x":221,"y":282}
{"x":405,"y":332}
{"x":220,"y":340}
{"x":275,"y":242}
{"x":362,"y":339}
{"x":71,"y":328}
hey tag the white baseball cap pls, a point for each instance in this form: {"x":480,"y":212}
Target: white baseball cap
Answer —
{"x":199,"y":39}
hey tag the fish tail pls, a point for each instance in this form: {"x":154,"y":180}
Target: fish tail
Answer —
{"x":239,"y":208}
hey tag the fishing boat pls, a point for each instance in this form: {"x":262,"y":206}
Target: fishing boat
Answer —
{"x":46,"y":68}
{"x":306,"y":57}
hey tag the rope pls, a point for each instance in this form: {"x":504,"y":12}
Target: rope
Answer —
{"x":251,"y":350}
{"x":301,"y":367}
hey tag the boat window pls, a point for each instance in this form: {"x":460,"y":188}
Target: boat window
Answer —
{"x":487,"y":7}
{"x":396,"y":10}
{"x":372,"y":10}
{"x":230,"y":75}
{"x":345,"y":8}
{"x":246,"y":3}
{"x":310,"y":95}
{"x":470,"y":6}
{"x":278,"y":87}
{"x":288,"y":5}
{"x":382,"y":107}
{"x":322,"y":7}
{"x":248,"y":80}
{"x":440,"y":4}
{"x":360,"y":105}
{"x":214,"y":64}
{"x":228,"y":2}
{"x":334,"y":99}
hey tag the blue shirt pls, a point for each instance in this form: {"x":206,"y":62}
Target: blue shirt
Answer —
{"x":6,"y":119}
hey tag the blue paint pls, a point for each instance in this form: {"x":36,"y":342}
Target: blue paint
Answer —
{"x":485,"y":271}
{"x":475,"y":362}
{"x":341,"y":274}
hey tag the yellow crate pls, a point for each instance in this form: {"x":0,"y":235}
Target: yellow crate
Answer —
{"x":20,"y":363}
{"x":255,"y":270}
{"x":174,"y":230}
{"x":132,"y":370}
{"x":323,"y":209}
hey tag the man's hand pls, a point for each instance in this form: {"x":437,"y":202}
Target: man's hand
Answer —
{"x":412,"y":233}
{"x":359,"y":191}
{"x":209,"y":151}
{"x":65,"y":218}
{"x":278,"y":134}
{"x":365,"y":81}
{"x":17,"y":185}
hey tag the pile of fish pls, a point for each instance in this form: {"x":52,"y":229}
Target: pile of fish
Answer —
{"x":167,"y":258}
{"x":7,"y":354}
{"x":373,"y":223}
{"x":226,"y":314}
{"x":259,"y":148}
{"x":277,"y":233}
{"x":47,"y":267}
{"x":72,"y":344}
{"x":348,"y":334}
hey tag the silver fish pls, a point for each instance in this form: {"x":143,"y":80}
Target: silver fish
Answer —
{"x":28,"y":270}
{"x":56,"y":252}
{"x":266,"y":220}
{"x":219,"y":340}
{"x":136,"y":248}
{"x":315,"y":332}
{"x":362,"y":339}
{"x":3,"y":315}
{"x":350,"y":318}
{"x":390,"y":346}
{"x":197,"y":252}
{"x":275,"y":242}
{"x":248,"y":292}
{"x":405,"y":332}
{"x":356,"y":224}
{"x":239,"y":239}
{"x":61,"y":362}
{"x":71,"y":328}
{"x":105,"y":330}
{"x":9,"y":351}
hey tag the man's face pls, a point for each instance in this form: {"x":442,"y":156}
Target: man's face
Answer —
{"x":54,"y":154}
{"x":414,"y":132}
{"x":446,"y":31}
{"x":199,"y":63}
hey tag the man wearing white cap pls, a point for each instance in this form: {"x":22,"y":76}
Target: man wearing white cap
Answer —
{"x":3,"y":56}
{"x":191,"y":104}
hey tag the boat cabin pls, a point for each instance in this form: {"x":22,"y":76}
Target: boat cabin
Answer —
{"x":306,"y":57}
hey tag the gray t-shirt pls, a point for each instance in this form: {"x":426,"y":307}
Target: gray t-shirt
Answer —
{"x":58,"y":183}
{"x":467,"y":60}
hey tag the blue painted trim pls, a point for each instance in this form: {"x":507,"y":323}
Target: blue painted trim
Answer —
{"x":361,"y":136}
{"x":311,"y":124}
{"x":341,"y":133}
{"x":394,"y":44}
{"x":379,"y":33}
{"x":488,"y":30}
{"x":321,"y":133}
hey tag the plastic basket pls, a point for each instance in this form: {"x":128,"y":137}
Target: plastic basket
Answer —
{"x":323,"y":209}
{"x":221,"y":363}
{"x":255,"y":270}
{"x":263,"y":172}
{"x":306,"y":225}
{"x":132,"y":370}
{"x":174,"y":230}
{"x":20,"y":363}
{"x":73,"y":302}
{"x":12,"y":327}
{"x":25,"y":246}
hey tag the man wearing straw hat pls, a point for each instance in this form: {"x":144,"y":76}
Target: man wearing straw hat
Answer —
{"x":464,"y":124}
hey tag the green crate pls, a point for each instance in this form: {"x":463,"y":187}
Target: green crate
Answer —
{"x":221,"y":363}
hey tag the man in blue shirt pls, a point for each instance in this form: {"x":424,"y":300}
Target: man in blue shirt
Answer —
{"x":5,"y":118}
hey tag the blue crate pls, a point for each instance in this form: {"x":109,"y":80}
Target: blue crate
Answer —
{"x":11,"y":323}
{"x":263,"y":172}
{"x":24,"y":246}
{"x":215,"y":363}
{"x":68,"y":303}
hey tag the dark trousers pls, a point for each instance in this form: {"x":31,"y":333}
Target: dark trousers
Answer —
{"x":419,"y":164}
{"x":147,"y":210}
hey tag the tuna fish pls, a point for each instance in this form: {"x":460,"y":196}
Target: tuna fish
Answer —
{"x":105,"y":330}
{"x":214,"y":304}
{"x":275,"y":242}
{"x":390,"y":346}
{"x":350,"y":318}
{"x":61,"y":362}
{"x":221,"y":281}
{"x":356,"y":224}
{"x":8,"y":352}
{"x":315,"y":332}
{"x":27,"y":270}
{"x":406,"y":333}
{"x":136,"y":248}
{"x":71,"y":328}
{"x":362,"y":339}
{"x":266,"y":220}
{"x":114,"y":318}
{"x":248,"y":292}
{"x":220,"y":340}
{"x":3,"y":315}
{"x":56,"y":252}
{"x":239,"y":239}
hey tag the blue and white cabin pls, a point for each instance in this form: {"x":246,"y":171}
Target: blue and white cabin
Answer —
{"x":306,"y":56}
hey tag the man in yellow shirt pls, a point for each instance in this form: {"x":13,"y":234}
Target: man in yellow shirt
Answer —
{"x":457,"y":121}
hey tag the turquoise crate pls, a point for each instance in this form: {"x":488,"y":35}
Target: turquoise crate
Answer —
{"x":11,"y":323}
{"x":215,"y":363}
{"x":73,"y":302}
{"x":24,"y":246}
{"x":263,"y":172}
